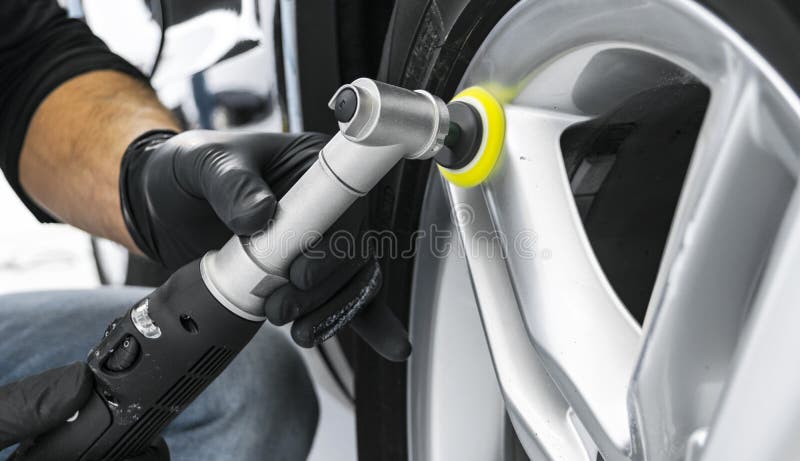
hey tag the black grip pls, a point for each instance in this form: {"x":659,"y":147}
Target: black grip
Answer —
{"x":148,"y":370}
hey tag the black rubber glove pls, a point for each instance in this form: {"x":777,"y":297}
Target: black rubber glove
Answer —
{"x":332,"y":283}
{"x":184,"y":194}
{"x":39,"y":403}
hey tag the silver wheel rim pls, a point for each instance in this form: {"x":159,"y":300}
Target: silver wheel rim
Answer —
{"x":576,"y":374}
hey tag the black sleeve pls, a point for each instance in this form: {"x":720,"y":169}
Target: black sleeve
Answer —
{"x":40,"y":48}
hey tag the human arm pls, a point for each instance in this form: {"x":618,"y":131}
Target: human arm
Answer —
{"x":46,"y":56}
{"x":71,"y":156}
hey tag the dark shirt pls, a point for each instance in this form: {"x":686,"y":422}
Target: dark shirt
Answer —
{"x":40,"y":48}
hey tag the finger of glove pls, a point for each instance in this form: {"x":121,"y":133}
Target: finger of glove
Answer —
{"x":344,"y":242}
{"x":38,"y":403}
{"x":382,"y":330}
{"x":291,"y":155}
{"x":289,"y":302}
{"x":322,"y":323}
{"x":157,"y":451}
{"x":223,"y":169}
{"x":240,"y":197}
{"x":237,"y":169}
{"x":266,"y":158}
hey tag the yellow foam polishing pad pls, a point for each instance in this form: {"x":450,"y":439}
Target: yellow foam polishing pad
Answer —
{"x":493,"y":122}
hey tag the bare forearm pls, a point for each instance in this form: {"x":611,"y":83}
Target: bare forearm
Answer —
{"x":71,"y":155}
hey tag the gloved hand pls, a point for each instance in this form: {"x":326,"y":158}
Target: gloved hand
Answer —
{"x":184,"y":194}
{"x":39,"y":403}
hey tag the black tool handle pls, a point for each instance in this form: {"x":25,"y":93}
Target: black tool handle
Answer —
{"x":151,"y":363}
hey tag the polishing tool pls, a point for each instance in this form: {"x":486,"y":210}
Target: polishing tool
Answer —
{"x":474,"y":139}
{"x":155,"y":359}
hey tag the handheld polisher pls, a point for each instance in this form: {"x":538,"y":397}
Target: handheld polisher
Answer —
{"x":164,"y":351}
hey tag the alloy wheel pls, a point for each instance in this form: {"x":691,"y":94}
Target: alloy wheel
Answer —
{"x":545,"y":339}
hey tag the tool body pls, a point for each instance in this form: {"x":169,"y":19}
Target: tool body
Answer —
{"x":387,"y":125}
{"x":160,"y":355}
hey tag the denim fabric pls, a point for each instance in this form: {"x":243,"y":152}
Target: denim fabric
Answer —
{"x":263,"y":405}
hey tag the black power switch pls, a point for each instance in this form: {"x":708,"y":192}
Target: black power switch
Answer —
{"x":124,"y":355}
{"x":345,"y":105}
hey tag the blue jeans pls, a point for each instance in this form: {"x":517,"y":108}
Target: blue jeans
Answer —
{"x":262,"y":406}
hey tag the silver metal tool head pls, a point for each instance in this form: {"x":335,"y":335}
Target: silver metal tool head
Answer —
{"x":373,"y":113}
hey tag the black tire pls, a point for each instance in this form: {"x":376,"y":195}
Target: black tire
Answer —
{"x":429,"y":45}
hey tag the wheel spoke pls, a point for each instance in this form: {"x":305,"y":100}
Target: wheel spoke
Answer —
{"x":537,"y":410}
{"x":733,"y":201}
{"x":765,"y":382}
{"x":585,"y":338}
